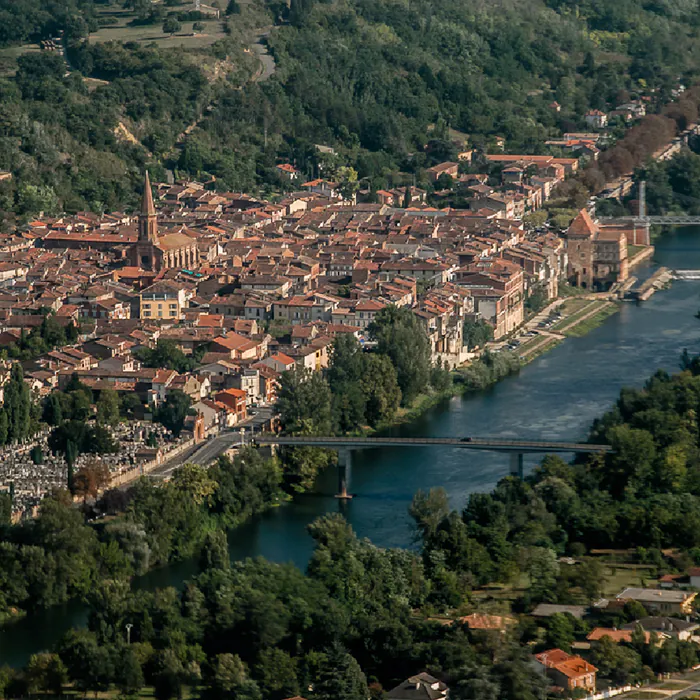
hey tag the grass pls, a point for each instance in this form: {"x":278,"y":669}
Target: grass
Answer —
{"x":212,"y":32}
{"x":572,"y":311}
{"x":643,"y":695}
{"x":123,"y":31}
{"x":618,"y":579}
{"x":672,"y":685}
{"x":588,"y":324}
{"x":537,"y":346}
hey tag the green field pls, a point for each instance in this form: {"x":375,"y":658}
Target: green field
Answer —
{"x":212,"y":32}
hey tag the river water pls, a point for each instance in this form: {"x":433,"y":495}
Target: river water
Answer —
{"x":555,"y":397}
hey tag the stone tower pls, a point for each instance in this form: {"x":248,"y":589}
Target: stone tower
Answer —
{"x":148,"y":220}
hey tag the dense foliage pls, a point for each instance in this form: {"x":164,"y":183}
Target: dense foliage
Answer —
{"x":58,"y":556}
{"x":391,"y":86}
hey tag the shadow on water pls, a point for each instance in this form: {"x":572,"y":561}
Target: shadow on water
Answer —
{"x":555,"y":397}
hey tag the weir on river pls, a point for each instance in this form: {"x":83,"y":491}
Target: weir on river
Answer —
{"x":556,"y":397}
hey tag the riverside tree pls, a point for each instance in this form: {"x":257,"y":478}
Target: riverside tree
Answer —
{"x":403,"y":340}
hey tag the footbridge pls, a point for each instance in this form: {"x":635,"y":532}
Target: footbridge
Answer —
{"x":516,"y":448}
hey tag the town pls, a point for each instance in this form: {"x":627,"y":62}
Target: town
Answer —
{"x":245,"y":289}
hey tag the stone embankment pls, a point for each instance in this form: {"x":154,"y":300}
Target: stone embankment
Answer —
{"x":647,"y":289}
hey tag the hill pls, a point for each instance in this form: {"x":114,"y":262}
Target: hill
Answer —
{"x":392,"y":85}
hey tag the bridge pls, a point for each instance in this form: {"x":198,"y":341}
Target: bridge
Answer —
{"x":516,"y":449}
{"x":644,"y":221}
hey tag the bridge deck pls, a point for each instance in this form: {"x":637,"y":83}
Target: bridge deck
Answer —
{"x":491,"y":444}
{"x":653,"y":220}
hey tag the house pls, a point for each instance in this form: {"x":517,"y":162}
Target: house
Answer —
{"x":288,"y":172}
{"x":566,"y":671}
{"x":434,"y":173}
{"x":163,"y":300}
{"x":596,"y":119}
{"x":279,"y":362}
{"x":420,"y":687}
{"x":236,"y":401}
{"x":662,"y":601}
{"x":691,"y":579}
{"x":482,"y":621}
{"x":322,"y":187}
{"x":237,"y":347}
{"x":615,"y":635}
{"x":675,"y":627}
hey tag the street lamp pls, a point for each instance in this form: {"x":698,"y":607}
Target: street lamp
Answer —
{"x":128,"y":632}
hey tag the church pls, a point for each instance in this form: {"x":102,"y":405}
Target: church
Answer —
{"x":155,"y":253}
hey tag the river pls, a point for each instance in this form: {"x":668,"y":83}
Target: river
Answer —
{"x":555,"y":397}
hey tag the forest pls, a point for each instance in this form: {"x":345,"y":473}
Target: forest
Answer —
{"x":393,"y":87}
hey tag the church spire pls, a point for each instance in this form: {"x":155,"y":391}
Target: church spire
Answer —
{"x":148,"y":220}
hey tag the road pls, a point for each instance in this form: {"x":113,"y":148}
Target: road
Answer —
{"x":208,"y":451}
{"x":268,"y":65}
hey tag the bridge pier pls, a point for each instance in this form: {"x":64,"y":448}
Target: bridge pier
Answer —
{"x":516,"y":464}
{"x":344,"y":472}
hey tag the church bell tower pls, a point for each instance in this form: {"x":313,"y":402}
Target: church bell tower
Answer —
{"x":148,"y":220}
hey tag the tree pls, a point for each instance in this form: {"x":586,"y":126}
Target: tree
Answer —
{"x":130,"y":674}
{"x":380,"y":386}
{"x":166,"y":355}
{"x":304,"y":402}
{"x":339,"y":677}
{"x":194,"y":480}
{"x":37,"y":455}
{"x":428,"y":510}
{"x":542,"y":567}
{"x":171,"y":26}
{"x":560,"y":631}
{"x":46,"y":673}
{"x":53,"y":409}
{"x":231,"y":679}
{"x":477,"y":333}
{"x":214,"y":554}
{"x":276,"y":673}
{"x":403,"y":340}
{"x":174,"y":411}
{"x":129,"y":406}
{"x":108,"y":407}
{"x":198,"y":27}
{"x":17,"y":405}
{"x":90,"y":480}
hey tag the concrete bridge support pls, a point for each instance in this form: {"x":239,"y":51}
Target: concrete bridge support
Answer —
{"x":516,"y":464}
{"x":344,"y":473}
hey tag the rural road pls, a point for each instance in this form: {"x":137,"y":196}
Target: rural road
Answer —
{"x":267,"y":62}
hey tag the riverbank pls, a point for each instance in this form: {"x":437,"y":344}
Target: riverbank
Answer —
{"x":571,"y":317}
